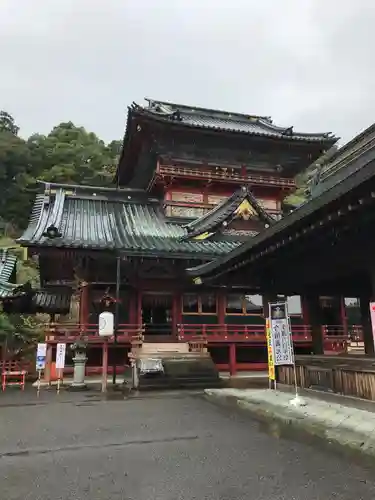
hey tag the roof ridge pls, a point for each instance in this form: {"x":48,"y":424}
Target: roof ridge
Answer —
{"x":207,"y":118}
{"x":184,"y":107}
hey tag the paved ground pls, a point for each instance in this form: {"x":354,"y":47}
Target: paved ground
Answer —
{"x":335,"y":421}
{"x":166,"y":447}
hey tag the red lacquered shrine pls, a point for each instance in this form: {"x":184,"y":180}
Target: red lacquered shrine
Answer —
{"x":192,"y":184}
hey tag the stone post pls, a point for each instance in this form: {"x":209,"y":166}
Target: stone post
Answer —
{"x":79,"y":361}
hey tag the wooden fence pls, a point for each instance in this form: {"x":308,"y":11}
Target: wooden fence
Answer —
{"x":346,"y":375}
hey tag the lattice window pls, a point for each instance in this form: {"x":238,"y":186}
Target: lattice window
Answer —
{"x":205,"y":303}
{"x":244,"y":304}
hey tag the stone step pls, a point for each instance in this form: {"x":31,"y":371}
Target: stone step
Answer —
{"x":171,"y":354}
{"x":154,"y":348}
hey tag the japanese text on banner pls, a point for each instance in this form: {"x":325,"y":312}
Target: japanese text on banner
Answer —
{"x":271,"y":364}
{"x":281,"y":335}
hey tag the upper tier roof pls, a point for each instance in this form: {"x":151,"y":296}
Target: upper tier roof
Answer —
{"x":123,"y":220}
{"x":150,"y":126}
{"x":205,"y":118}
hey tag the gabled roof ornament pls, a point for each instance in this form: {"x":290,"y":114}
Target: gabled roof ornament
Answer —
{"x":242,"y":204}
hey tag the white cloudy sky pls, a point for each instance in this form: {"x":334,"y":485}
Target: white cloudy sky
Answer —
{"x":308,"y":63}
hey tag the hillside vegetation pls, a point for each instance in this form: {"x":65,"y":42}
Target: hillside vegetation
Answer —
{"x":68,"y":154}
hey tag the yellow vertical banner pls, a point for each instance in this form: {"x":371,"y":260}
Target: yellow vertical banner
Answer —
{"x":271,"y":363}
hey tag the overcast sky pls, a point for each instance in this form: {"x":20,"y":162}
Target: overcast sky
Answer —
{"x":307,"y":63}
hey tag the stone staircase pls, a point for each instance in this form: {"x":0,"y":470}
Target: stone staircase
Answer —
{"x":181,"y":367}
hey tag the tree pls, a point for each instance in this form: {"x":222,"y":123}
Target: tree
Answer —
{"x":7,"y":123}
{"x":14,"y":177}
{"x":70,"y":154}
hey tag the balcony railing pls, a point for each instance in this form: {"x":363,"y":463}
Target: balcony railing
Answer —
{"x":225,"y":176}
{"x":235,"y":333}
{"x":70,"y":332}
{"x":335,"y":337}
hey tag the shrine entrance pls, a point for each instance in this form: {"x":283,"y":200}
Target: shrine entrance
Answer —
{"x":157,"y":316}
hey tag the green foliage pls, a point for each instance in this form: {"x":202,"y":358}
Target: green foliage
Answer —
{"x":7,"y":123}
{"x":20,"y":333}
{"x":68,"y":154}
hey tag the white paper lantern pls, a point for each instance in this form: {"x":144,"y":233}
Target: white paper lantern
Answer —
{"x":106,"y":324}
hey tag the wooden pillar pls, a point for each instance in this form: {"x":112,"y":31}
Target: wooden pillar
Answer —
{"x":105,"y":365}
{"x":364,"y":300}
{"x":368,"y":337}
{"x":176,"y":312}
{"x":48,"y":369}
{"x":221,"y":306}
{"x":313,"y":313}
{"x":139,"y":307}
{"x":343,"y":316}
{"x":133,"y":306}
{"x":232,"y":360}
{"x":84,"y":307}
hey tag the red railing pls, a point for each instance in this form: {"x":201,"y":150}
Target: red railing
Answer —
{"x":235,"y":333}
{"x":335,"y":339}
{"x":70,"y":332}
{"x":225,"y":176}
{"x":355,"y":333}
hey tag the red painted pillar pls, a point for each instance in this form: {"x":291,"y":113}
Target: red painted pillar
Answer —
{"x":132,"y":307}
{"x":176,"y":313}
{"x":232,"y":359}
{"x":47,"y":371}
{"x":139,"y":307}
{"x":84,"y":307}
{"x":221,"y":305}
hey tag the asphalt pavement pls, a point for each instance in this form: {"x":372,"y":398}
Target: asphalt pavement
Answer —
{"x":162,"y":446}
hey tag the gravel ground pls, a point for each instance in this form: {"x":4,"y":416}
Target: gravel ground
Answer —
{"x":169,"y":446}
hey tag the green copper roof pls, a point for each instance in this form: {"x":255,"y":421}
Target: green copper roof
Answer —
{"x":6,"y":288}
{"x":121,"y":220}
{"x":7,"y":265}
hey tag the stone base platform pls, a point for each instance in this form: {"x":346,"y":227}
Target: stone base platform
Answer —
{"x":180,"y":368}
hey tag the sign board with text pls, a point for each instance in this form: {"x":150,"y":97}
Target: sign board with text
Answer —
{"x":271,"y":364}
{"x":283,"y":353}
{"x":60,"y":356}
{"x":372,"y":316}
{"x":41,"y":354}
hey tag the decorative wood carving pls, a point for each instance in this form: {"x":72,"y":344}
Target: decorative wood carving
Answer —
{"x":269,"y":204}
{"x":188,"y":212}
{"x":187,"y":197}
{"x":216,"y":199}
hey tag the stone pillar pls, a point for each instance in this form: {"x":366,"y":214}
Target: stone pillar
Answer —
{"x":313,"y":313}
{"x":368,"y":339}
